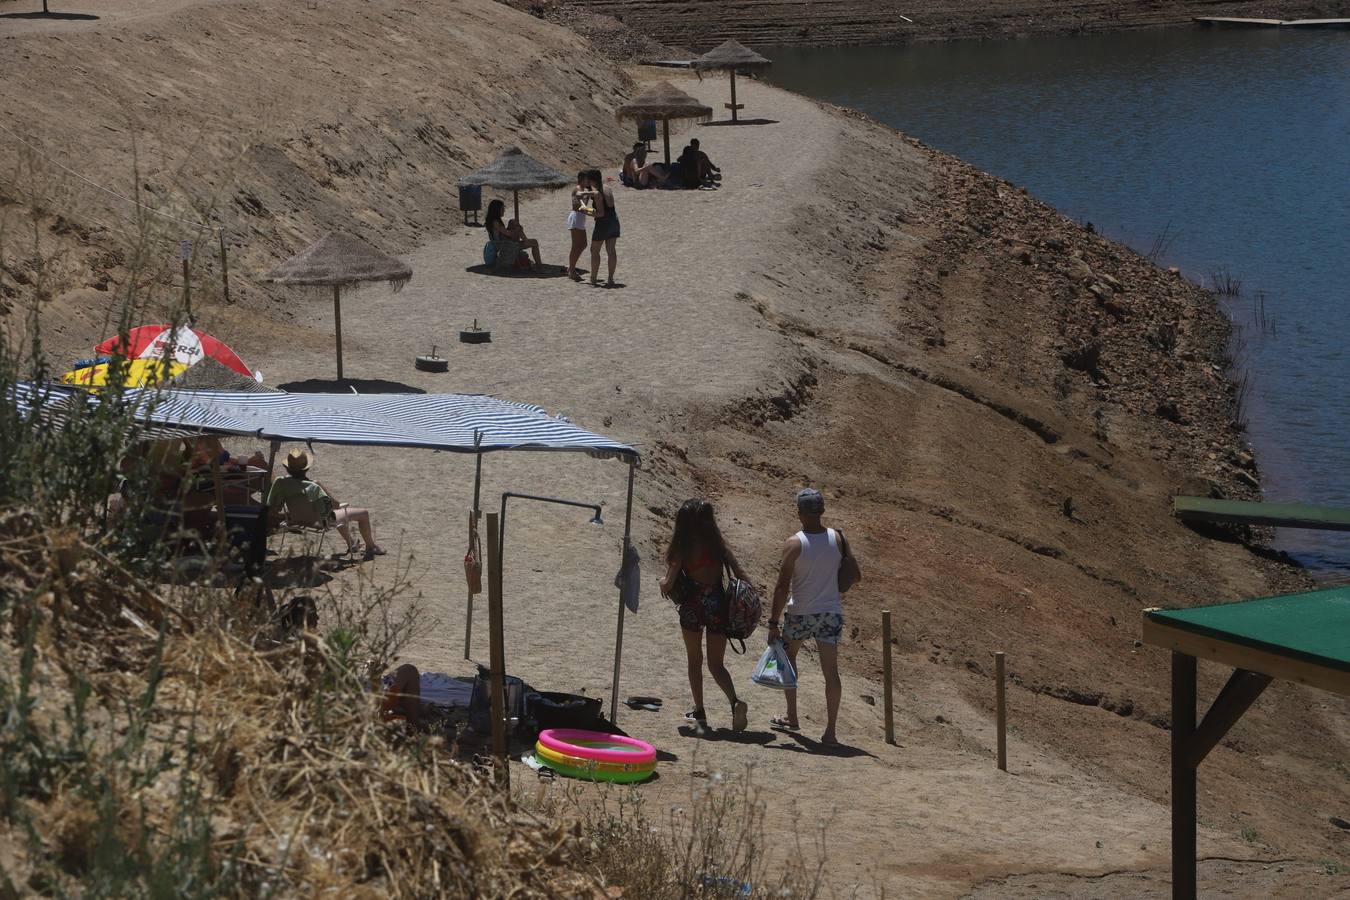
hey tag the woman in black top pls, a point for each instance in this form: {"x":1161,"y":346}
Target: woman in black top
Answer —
{"x":511,"y":232}
{"x":606,"y":231}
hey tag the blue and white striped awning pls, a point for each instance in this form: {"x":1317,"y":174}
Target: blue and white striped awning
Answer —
{"x":434,"y":421}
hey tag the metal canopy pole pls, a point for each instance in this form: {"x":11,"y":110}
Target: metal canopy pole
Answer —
{"x":618,"y":638}
{"x":477,"y":485}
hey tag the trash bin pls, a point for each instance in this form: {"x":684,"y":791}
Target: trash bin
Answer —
{"x":470,"y":201}
{"x":647,"y":131}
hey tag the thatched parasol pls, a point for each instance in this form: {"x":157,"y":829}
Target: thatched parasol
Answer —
{"x":664,"y":101}
{"x":341,"y":260}
{"x":732,"y":57}
{"x":515,"y":172}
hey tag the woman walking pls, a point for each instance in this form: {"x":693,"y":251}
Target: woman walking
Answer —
{"x":606,"y":231}
{"x":694,"y":564}
{"x":576,"y":224}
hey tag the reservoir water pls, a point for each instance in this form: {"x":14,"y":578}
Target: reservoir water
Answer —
{"x":1227,"y":151}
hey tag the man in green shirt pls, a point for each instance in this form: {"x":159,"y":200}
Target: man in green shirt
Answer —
{"x":297,"y":485}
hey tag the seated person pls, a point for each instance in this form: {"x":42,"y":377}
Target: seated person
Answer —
{"x":638,"y":174}
{"x":403,"y":698}
{"x":696,"y":168}
{"x":201,"y":451}
{"x":297,"y":483}
{"x":508,"y":232}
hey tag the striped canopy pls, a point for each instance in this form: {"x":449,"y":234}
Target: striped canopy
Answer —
{"x":434,"y":421}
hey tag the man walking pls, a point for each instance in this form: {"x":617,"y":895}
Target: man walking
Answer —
{"x":808,"y":591}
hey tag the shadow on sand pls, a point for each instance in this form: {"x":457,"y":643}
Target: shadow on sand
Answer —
{"x":721,"y":122}
{"x":805,"y":744}
{"x":52,"y":16}
{"x":348,"y":386}
{"x":727,"y":735}
{"x":541,"y":271}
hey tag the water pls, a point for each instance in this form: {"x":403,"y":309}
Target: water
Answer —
{"x":1230,"y":149}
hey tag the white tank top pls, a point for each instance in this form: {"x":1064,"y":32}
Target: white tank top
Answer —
{"x":815,"y":576}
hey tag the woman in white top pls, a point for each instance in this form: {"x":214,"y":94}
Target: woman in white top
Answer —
{"x":577,"y":224}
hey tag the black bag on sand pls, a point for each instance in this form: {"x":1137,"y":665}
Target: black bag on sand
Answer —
{"x":480,"y":701}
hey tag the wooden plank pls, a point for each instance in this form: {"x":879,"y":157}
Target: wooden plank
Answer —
{"x":1236,"y":21}
{"x":497,"y":651}
{"x":886,"y":675}
{"x":1236,"y":698}
{"x":1239,"y":656}
{"x":1248,"y":512}
{"x":1183,"y":778}
{"x":1001,"y":702}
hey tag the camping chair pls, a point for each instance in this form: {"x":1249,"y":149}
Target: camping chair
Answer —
{"x":508,"y":254}
{"x":304,"y":517}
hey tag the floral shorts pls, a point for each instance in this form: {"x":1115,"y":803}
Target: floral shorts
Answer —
{"x":705,"y":609}
{"x":826,"y":628}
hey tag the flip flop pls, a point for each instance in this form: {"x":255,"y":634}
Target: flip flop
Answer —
{"x":648,"y":703}
{"x":779,"y":723}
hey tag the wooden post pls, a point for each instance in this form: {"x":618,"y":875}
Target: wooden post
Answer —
{"x":497,"y":650}
{"x":218,"y":484}
{"x":515,"y":196}
{"x":337,"y":321}
{"x":1183,"y":777}
{"x":477,"y":484}
{"x":733,"y":95}
{"x":224,"y":267}
{"x":1002,"y":712}
{"x":185,"y":252}
{"x":665,"y":136}
{"x":886,"y":674}
{"x":272,"y":449}
{"x":618,"y":638}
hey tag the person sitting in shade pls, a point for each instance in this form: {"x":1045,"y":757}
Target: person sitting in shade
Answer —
{"x":696,"y":168}
{"x":511,"y":231}
{"x":638,"y":173}
{"x":297,"y":483}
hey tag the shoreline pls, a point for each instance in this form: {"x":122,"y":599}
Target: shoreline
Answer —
{"x":702,"y":24}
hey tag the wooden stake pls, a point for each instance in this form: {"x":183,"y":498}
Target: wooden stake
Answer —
{"x":224,"y":268}
{"x":733,"y":109}
{"x":665,"y":136}
{"x":886,"y":674}
{"x":1002,"y":713}
{"x":337,"y":321}
{"x":497,"y":650}
{"x":515,"y":196}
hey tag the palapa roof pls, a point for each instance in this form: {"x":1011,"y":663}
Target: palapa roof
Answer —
{"x":733,"y":56}
{"x":513,"y":170}
{"x":340,"y":259}
{"x":663,"y":101}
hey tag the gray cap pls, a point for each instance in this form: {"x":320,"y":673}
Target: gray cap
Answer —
{"x":810,"y":501}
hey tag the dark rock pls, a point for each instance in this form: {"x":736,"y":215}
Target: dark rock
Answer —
{"x":1168,"y":410}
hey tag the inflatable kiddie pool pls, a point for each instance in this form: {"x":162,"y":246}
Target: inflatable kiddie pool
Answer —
{"x":595,"y":755}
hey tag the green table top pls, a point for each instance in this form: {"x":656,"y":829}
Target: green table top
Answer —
{"x":1314,"y":626}
{"x":1283,"y":515}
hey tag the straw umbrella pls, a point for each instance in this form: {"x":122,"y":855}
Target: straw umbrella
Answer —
{"x":340,"y":260}
{"x":515,"y":172}
{"x":665,"y":102}
{"x":732,"y":57}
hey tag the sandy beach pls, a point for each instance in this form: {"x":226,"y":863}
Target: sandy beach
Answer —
{"x":850,"y":310}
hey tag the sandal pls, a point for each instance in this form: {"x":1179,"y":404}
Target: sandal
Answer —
{"x":374,"y":551}
{"x":697,"y":716}
{"x":781,"y":723}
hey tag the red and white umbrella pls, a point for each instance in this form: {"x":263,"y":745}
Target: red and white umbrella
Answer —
{"x":183,"y":345}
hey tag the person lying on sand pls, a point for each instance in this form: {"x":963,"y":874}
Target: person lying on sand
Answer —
{"x":637,"y":173}
{"x":402,"y":699}
{"x":696,"y":168}
{"x":297,"y":483}
{"x":512,"y":231}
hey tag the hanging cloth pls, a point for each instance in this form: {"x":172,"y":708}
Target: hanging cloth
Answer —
{"x":473,"y":559}
{"x":629,"y":579}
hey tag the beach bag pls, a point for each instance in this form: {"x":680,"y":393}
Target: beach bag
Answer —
{"x":849,"y":571}
{"x":775,"y":669}
{"x":489,"y":254}
{"x":743,"y":608}
{"x":473,"y":560}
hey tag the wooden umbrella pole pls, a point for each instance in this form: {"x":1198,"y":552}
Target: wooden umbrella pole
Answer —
{"x":733,"y":95}
{"x":515,"y":197}
{"x":497,"y":653}
{"x":665,"y":135}
{"x":337,"y":319}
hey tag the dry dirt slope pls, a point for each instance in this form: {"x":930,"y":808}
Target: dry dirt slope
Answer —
{"x":702,"y":24}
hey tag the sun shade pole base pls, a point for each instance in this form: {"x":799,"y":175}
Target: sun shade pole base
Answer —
{"x":337,"y":321}
{"x":618,"y":638}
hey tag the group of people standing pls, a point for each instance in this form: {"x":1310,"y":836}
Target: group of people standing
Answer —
{"x":592,"y":201}
{"x":807,"y":604}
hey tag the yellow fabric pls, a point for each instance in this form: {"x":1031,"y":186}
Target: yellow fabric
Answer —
{"x":136,"y":373}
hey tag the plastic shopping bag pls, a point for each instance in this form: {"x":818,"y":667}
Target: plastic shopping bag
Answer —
{"x":775,"y":669}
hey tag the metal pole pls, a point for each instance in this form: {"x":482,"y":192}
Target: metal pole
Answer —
{"x":886,"y":674}
{"x":618,"y":639}
{"x":1183,"y":777}
{"x":477,"y":484}
{"x":1002,"y":707}
{"x":497,"y":653}
{"x":337,"y":320}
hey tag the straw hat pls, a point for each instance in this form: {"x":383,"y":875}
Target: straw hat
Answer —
{"x":297,"y":461}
